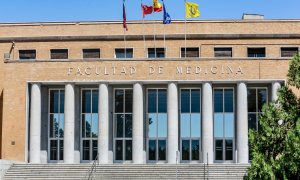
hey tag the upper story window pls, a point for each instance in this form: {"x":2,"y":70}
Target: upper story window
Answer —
{"x":91,"y":53}
{"x":289,"y":51}
{"x":189,"y":52}
{"x":156,"y":52}
{"x":59,"y":53}
{"x":27,"y":54}
{"x":256,"y":52}
{"x":121,"y":53}
{"x":223,"y":52}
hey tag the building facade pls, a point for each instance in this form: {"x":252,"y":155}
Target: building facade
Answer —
{"x":76,"y":91}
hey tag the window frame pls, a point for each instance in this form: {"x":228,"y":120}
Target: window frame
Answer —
{"x":83,"y":49}
{"x":222,"y":47}
{"x":255,"y":57}
{"x":68,"y":53}
{"x":199,"y":52}
{"x":127,"y":48}
{"x":29,"y":59}
{"x":155,"y":52}
{"x":286,"y":47}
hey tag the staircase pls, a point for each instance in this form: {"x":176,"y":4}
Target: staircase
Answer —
{"x":126,"y":171}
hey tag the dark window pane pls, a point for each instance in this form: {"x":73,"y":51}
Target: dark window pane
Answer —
{"x":289,"y":51}
{"x":61,"y":150}
{"x":162,"y":101}
{"x":152,"y":100}
{"x":53,"y":150}
{"x":54,"y":96}
{"x":251,"y":100}
{"x":95,"y":149}
{"x":161,"y":150}
{"x":128,"y":150}
{"x":223,"y":52}
{"x":83,"y":125}
{"x":252,"y":121}
{"x":91,"y":53}
{"x":52,"y":125}
{"x":62,"y":101}
{"x":86,"y":101}
{"x":120,"y":53}
{"x":27,"y":54}
{"x":189,"y":52}
{"x":152,"y":150}
{"x":229,"y":149}
{"x":119,"y":101}
{"x":128,"y":100}
{"x":156,"y":52}
{"x":119,"y":150}
{"x":195,"y":101}
{"x":185,"y":149}
{"x":228,"y":93}
{"x":86,"y":150}
{"x":218,"y":100}
{"x":256,"y":52}
{"x":219,"y":150}
{"x":185,"y":101}
{"x":128,"y":125}
{"x":59,"y":53}
{"x":120,"y":125}
{"x":95,"y":101}
{"x":261,"y":98}
{"x":195,"y":150}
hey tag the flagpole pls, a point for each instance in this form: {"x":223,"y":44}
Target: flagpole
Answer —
{"x":124,"y":29}
{"x":154,"y":38}
{"x":125,"y":43}
{"x":164,"y":28}
{"x":144,"y":39}
{"x":185,"y":30}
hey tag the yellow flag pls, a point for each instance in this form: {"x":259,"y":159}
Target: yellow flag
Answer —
{"x":191,"y":10}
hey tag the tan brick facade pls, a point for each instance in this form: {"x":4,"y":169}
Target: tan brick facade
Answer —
{"x":16,"y":74}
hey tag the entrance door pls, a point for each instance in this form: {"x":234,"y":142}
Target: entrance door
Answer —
{"x":123,"y":125}
{"x":56,"y":125}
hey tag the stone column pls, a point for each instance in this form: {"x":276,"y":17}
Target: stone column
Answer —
{"x":207,"y":124}
{"x":242,"y":124}
{"x":69,"y":123}
{"x":35,"y":124}
{"x":137,"y":124}
{"x":172,"y":123}
{"x":275,"y":87}
{"x":103,"y":133}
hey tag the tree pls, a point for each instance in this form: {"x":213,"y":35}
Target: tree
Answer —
{"x":276,"y":145}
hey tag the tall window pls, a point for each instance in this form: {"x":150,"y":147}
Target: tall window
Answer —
{"x":56,"y":124}
{"x":121,"y":53}
{"x":157,"y":124}
{"x":27,"y":54}
{"x":224,"y":124}
{"x":189,"y":52}
{"x":190,"y":124}
{"x":89,"y":124}
{"x":156,"y":52}
{"x":257,"y":97}
{"x":123,"y":124}
{"x":256,"y":52}
{"x":59,"y":53}
{"x":223,"y":52}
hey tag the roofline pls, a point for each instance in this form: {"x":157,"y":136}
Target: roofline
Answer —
{"x":146,"y":22}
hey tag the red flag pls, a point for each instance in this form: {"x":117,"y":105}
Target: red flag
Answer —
{"x":146,"y":9}
{"x":124,"y":17}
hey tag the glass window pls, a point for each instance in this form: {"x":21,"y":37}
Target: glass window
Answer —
{"x":27,"y":54}
{"x":218,"y":100}
{"x":152,"y":150}
{"x":185,"y":100}
{"x":121,"y":53}
{"x":59,"y":53}
{"x":289,"y":51}
{"x":195,"y":100}
{"x":162,"y":150}
{"x":119,"y":101}
{"x":189,"y":52}
{"x":196,"y":125}
{"x":185,"y":125}
{"x":156,"y":52}
{"x":256,"y":52}
{"x":223,"y":52}
{"x":195,"y":150}
{"x":91,"y":53}
{"x":162,"y":125}
{"x":228,"y":100}
{"x":185,"y":149}
{"x":218,"y":125}
{"x":162,"y":100}
{"x":152,"y":100}
{"x":152,"y":125}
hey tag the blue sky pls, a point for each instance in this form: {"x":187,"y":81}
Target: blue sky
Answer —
{"x":95,"y":10}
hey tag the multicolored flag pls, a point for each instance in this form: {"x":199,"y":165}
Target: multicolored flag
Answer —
{"x":191,"y":10}
{"x":124,"y":17}
{"x":167,"y":17}
{"x":157,"y":6}
{"x":146,"y":9}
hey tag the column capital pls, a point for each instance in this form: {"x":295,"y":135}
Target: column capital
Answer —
{"x":138,"y":82}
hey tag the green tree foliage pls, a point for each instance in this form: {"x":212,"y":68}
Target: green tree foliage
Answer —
{"x":276,"y":146}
